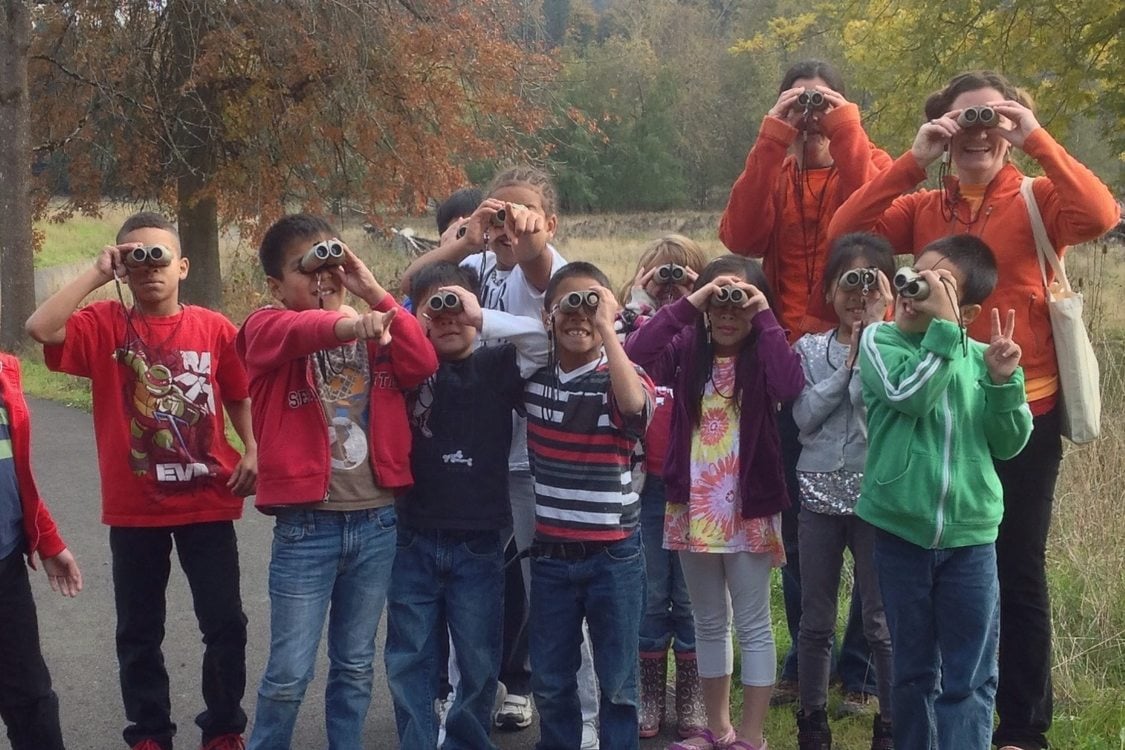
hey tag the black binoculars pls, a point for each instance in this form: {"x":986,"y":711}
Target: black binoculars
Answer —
{"x":812,"y":100}
{"x":148,"y":255}
{"x":728,"y":296}
{"x":910,"y":284}
{"x":979,"y":116}
{"x":670,"y":274}
{"x":856,"y":278}
{"x":444,"y":302}
{"x":328,"y":253}
{"x":577,"y":300}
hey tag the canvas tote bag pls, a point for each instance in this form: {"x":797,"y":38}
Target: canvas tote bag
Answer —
{"x":1080,"y":396}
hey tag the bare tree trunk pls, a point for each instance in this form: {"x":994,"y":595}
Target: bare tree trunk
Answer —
{"x":17,"y":264}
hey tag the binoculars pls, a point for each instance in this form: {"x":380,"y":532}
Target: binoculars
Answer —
{"x":728,"y":296}
{"x":499,"y":218}
{"x":812,"y":100}
{"x":910,"y":284}
{"x":670,"y":274}
{"x":148,"y":255}
{"x":577,"y":300}
{"x":978,"y":117}
{"x":328,"y":253}
{"x":856,"y":278}
{"x":444,"y":302}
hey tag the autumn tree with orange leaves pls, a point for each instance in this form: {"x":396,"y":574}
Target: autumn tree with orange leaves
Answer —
{"x":234,"y":112}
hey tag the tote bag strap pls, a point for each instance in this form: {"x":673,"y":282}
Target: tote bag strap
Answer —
{"x":1046,"y":251}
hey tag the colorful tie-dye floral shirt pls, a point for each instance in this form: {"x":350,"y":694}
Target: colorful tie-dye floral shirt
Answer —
{"x":712,"y":521}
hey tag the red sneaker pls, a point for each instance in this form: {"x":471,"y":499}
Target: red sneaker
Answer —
{"x":225,"y":742}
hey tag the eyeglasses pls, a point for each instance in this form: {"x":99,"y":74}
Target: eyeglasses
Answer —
{"x":328,"y":253}
{"x":576,"y":300}
{"x":670,"y":274}
{"x":728,"y":296}
{"x":148,"y":255}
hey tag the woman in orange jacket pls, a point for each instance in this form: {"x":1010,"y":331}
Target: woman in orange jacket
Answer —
{"x":984,"y":199}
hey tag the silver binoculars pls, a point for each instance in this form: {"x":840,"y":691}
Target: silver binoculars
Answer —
{"x":577,"y":300}
{"x":444,"y":302}
{"x":328,"y":253}
{"x":148,"y":255}
{"x":728,"y":296}
{"x":857,"y":278}
{"x":910,"y":284}
{"x":979,"y":116}
{"x":812,"y":100}
{"x":670,"y":274}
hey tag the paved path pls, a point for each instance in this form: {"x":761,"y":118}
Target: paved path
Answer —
{"x":78,"y":633}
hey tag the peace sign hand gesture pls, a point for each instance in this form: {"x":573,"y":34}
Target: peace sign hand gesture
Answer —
{"x":1002,"y":356}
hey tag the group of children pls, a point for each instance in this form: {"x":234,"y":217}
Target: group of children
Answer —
{"x":383,"y":443}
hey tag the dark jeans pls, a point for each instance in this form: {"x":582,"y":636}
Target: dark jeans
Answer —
{"x":667,"y":619}
{"x":854,"y":666}
{"x":28,"y":705}
{"x":1023,"y":699}
{"x":515,"y":662}
{"x":142,"y":562}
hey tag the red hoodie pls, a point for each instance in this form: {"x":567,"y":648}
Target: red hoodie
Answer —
{"x":39,"y":528}
{"x":763,"y":220}
{"x":294,"y":459}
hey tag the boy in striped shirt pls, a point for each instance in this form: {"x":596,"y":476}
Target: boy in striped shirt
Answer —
{"x":585,"y":410}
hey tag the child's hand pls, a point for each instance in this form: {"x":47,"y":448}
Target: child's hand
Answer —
{"x":1002,"y":356}
{"x":853,"y":343}
{"x":110,"y":261}
{"x":470,"y":314}
{"x":63,"y":573}
{"x":701,"y":297}
{"x":375,"y":326}
{"x":244,"y":479}
{"x":875,"y":305}
{"x":755,"y":298}
{"x":472,"y":232}
{"x":943,"y":301}
{"x":357,"y":278}
{"x":606,"y":313}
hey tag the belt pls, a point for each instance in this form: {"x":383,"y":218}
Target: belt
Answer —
{"x":569,"y":550}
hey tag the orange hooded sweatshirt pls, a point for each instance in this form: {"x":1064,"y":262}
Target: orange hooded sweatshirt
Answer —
{"x":773,"y":216}
{"x":1076,"y":207}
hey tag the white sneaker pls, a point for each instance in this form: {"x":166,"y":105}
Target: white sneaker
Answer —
{"x":589,"y":736}
{"x":514,"y":713}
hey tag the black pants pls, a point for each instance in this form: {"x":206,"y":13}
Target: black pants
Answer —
{"x":1023,"y":697}
{"x":208,"y":554}
{"x":28,"y":705}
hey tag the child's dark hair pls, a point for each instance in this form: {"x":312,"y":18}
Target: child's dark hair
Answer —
{"x":703,"y":358}
{"x":527,"y":175}
{"x":146,"y":220}
{"x":940,"y":102}
{"x":569,"y":271}
{"x":462,"y":203}
{"x":284,"y":231}
{"x":873,"y":249}
{"x":440,"y":274}
{"x":974,"y":259}
{"x":812,"y":69}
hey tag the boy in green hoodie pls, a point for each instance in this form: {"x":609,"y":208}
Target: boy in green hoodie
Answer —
{"x":939,"y":408}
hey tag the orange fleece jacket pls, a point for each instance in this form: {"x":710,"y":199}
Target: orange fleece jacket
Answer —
{"x":763,"y":219}
{"x":1076,"y":207}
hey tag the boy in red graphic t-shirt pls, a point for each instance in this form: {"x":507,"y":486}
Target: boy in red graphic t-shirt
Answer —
{"x":162,"y":373}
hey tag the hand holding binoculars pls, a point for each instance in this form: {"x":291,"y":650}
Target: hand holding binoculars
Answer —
{"x":729,"y":296}
{"x":812,"y":100}
{"x":856,"y":278}
{"x":497,"y":220}
{"x":910,"y":284}
{"x":322,"y":254}
{"x":576,"y":300}
{"x":444,"y":302}
{"x":670,"y":274}
{"x":147,"y":255}
{"x":980,"y":116}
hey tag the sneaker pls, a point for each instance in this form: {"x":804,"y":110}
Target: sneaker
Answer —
{"x":225,"y":742}
{"x":589,"y":736}
{"x":514,"y":713}
{"x":854,"y":703}
{"x":784,"y":692}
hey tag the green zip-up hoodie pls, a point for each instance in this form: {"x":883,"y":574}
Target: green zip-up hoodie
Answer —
{"x":935,"y":421}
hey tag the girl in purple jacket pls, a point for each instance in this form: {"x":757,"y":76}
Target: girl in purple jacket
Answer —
{"x":727,"y":360}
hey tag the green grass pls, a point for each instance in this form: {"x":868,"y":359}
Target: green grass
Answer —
{"x":79,"y":238}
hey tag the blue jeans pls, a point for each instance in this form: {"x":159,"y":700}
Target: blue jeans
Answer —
{"x":943,"y":610}
{"x":667,"y":617}
{"x":322,"y":562}
{"x":459,"y":575}
{"x":607,"y":589}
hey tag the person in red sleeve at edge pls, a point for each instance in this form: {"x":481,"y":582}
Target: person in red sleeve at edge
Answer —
{"x":28,"y":704}
{"x":329,"y":411}
{"x":805,"y":163}
{"x":984,"y":199}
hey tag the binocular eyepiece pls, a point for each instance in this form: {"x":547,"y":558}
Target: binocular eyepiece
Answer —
{"x":910,"y":284}
{"x":980,"y":116}
{"x":148,"y":255}
{"x":812,"y":100}
{"x":728,"y":296}
{"x":576,"y":300}
{"x":327,"y":253}
{"x":499,"y":218}
{"x":444,"y":302}
{"x":856,"y":278}
{"x":670,"y":274}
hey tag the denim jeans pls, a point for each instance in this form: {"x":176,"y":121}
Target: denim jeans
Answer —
{"x":334,"y":565}
{"x":28,"y":703}
{"x":667,"y":618}
{"x":607,"y":589}
{"x":459,"y":575}
{"x":142,"y":562}
{"x":943,"y":609}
